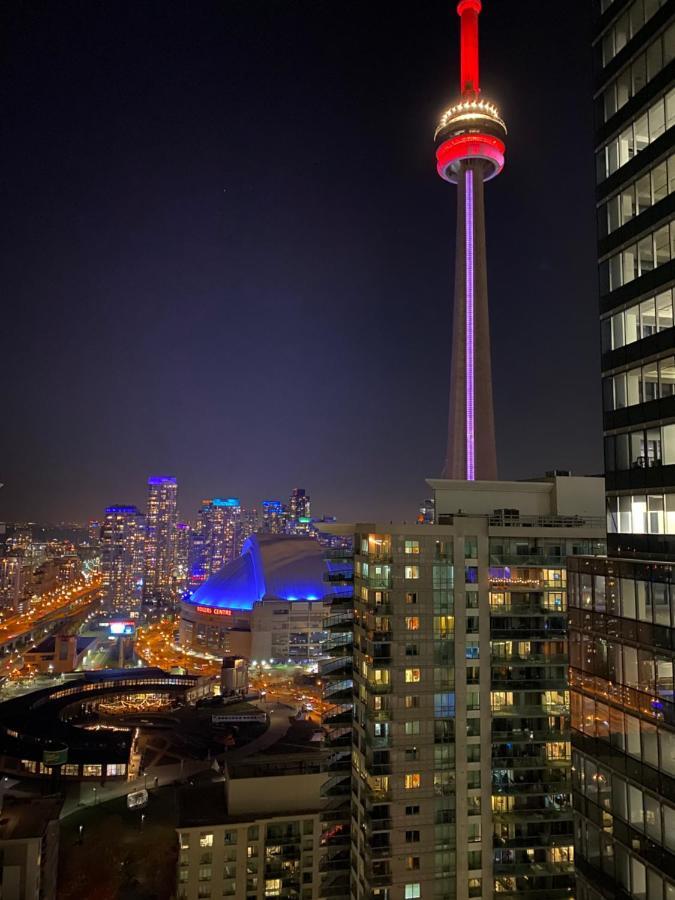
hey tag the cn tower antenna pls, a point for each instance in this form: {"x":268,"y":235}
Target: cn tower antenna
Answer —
{"x":470,"y":151}
{"x":469,"y":81}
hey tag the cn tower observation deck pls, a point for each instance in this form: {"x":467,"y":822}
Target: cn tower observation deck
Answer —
{"x":470,"y":151}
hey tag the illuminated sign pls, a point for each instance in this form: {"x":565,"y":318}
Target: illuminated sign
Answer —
{"x":230,"y":501}
{"x":55,"y":757}
{"x":211,"y":611}
{"x":137,"y":799}
{"x":122,"y":628}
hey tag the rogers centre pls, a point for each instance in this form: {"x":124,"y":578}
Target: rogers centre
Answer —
{"x":266,"y":605}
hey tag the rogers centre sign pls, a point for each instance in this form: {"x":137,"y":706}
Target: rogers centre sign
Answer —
{"x":211,"y":611}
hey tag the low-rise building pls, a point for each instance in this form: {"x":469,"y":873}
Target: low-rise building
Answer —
{"x":256,"y":831}
{"x":29,"y":848}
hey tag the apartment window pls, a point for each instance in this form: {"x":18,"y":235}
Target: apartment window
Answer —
{"x":412,"y":863}
{"x":230,"y":837}
{"x":444,"y":705}
{"x":205,"y":873}
{"x":273,"y":887}
{"x":412,"y":837}
{"x":411,"y":701}
{"x":444,"y":627}
{"x":475,"y":887}
{"x":411,"y":650}
{"x":413,"y":676}
{"x":412,"y":727}
{"x":637,"y":136}
{"x":411,"y":754}
{"x":412,"y":623}
{"x":471,"y":547}
{"x":472,"y":650}
{"x":471,"y":574}
{"x":411,"y":572}
{"x":650,"y":252}
{"x":206,"y":839}
{"x":412,"y":781}
{"x":473,"y":780}
{"x":412,"y":547}
{"x":412,"y":810}
{"x":632,"y":79}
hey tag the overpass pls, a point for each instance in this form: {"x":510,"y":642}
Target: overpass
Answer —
{"x":28,"y":627}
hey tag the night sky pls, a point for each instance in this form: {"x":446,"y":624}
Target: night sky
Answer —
{"x":226,"y":254}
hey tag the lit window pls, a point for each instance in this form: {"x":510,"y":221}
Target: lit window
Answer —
{"x":412,"y":727}
{"x":411,"y":572}
{"x":412,"y":676}
{"x":273,"y":887}
{"x":412,"y":623}
{"x":206,"y":839}
{"x":412,"y":891}
{"x":412,"y":781}
{"x":412,"y":547}
{"x":184,"y":840}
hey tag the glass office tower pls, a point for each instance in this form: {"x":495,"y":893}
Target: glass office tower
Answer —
{"x":622,"y":620}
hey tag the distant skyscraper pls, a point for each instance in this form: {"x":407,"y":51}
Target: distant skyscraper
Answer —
{"x":299,"y":511}
{"x":160,"y":544}
{"x":122,"y":557}
{"x":469,"y":151}
{"x":250,"y":524}
{"x":94,"y":532}
{"x":215,"y":538}
{"x":183,"y":536}
{"x":274,"y":517}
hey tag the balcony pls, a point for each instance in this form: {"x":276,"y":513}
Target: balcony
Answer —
{"x":336,"y":664}
{"x":340,"y":713}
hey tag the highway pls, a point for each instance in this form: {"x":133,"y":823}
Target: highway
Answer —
{"x":69,"y":600}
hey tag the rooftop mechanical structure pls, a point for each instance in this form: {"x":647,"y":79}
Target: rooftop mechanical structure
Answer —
{"x":470,"y":151}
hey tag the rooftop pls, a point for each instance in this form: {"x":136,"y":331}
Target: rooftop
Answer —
{"x":27,"y":818}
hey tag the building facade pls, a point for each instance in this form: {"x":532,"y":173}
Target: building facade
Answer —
{"x":160,"y":541}
{"x":635,"y":108}
{"x":123,"y":557}
{"x":461,"y":751}
{"x":215,"y":539}
{"x":621,"y":628}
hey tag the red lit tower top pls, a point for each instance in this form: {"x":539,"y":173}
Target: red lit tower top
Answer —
{"x":471,"y":128}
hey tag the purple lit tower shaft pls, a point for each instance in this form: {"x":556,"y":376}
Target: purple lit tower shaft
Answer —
{"x":471,"y":450}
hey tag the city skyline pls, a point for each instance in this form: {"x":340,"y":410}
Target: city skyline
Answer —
{"x":246,"y":268}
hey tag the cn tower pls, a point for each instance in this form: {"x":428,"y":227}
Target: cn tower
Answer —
{"x":470,"y":151}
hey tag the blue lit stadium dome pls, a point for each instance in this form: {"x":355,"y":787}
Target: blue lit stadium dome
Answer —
{"x":271,"y":567}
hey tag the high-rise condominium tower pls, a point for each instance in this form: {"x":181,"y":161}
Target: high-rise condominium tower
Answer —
{"x":461,"y":781}
{"x":160,"y":540}
{"x":470,"y":151}
{"x":122,"y":556}
{"x":622,"y":609}
{"x":216,"y":538}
